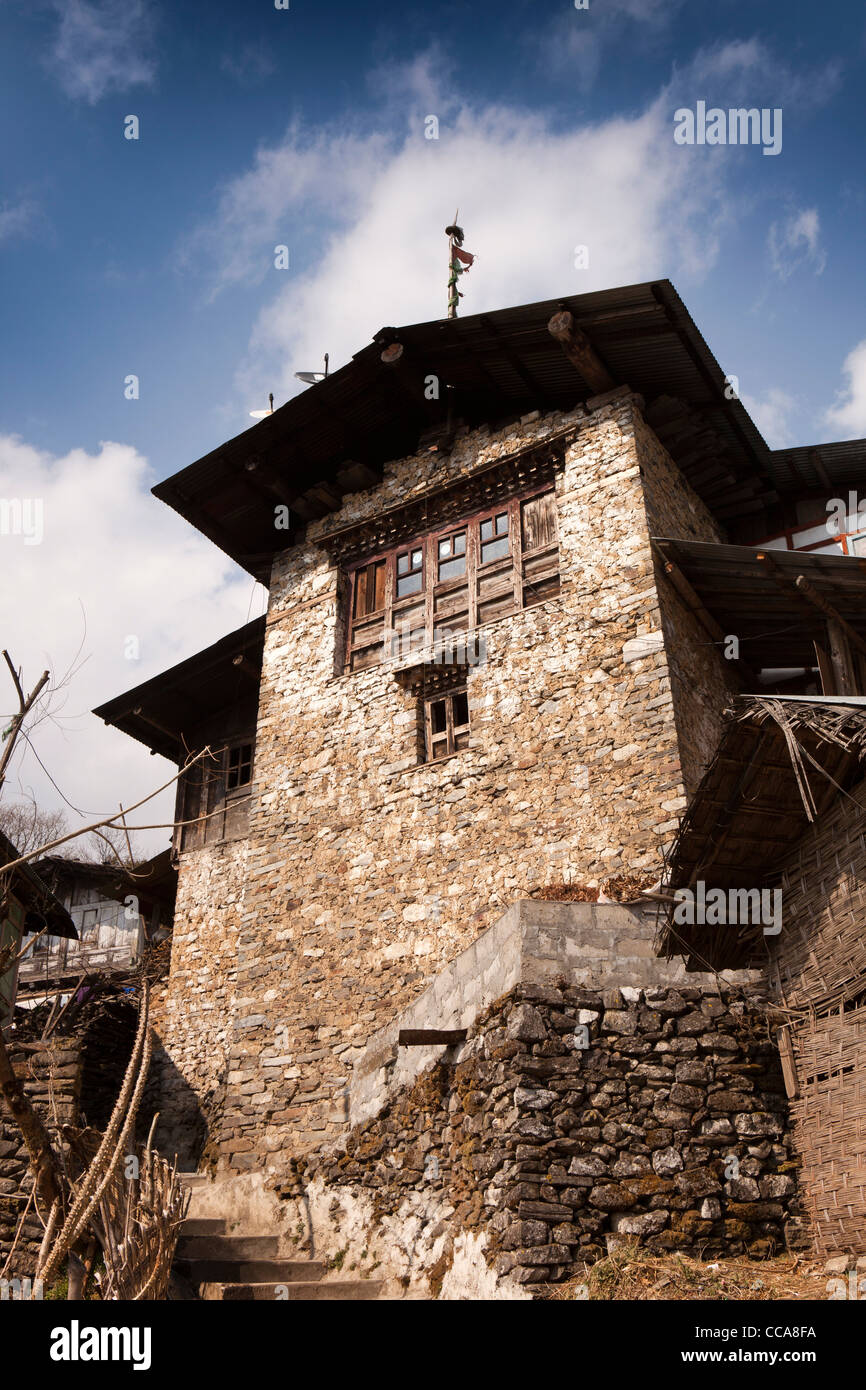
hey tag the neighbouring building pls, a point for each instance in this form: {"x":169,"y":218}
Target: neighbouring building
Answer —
{"x":27,"y":906}
{"x":520,"y":565}
{"x":115,"y":911}
{"x":782,"y":808}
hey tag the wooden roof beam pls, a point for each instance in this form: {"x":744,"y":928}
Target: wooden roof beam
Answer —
{"x":695,"y":606}
{"x":580,"y":352}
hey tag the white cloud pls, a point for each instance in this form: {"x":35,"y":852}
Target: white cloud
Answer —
{"x":847,"y":417}
{"x":17,"y":219}
{"x":249,"y":65}
{"x":114,"y":563}
{"x":529,"y":192}
{"x":573,"y":43}
{"x":795,"y":244}
{"x":772,"y":413}
{"x":748,"y":72}
{"x":103,"y":46}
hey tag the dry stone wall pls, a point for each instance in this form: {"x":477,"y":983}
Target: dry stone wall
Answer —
{"x":669,"y":1129}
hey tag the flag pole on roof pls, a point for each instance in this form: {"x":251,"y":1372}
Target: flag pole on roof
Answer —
{"x":459,"y":261}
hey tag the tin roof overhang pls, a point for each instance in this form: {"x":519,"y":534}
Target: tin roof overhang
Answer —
{"x":336,"y":436}
{"x":165,"y":712}
{"x":748,"y":812}
{"x":758,"y":600}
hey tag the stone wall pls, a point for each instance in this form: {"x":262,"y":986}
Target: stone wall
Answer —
{"x":598,"y":945}
{"x":191,"y":1011}
{"x":72,"y":1078}
{"x":703,"y":681}
{"x":51,"y":1076}
{"x":365,"y":872}
{"x":541,"y":1148}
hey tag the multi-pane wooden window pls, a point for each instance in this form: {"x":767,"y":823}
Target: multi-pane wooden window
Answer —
{"x":446,"y":724}
{"x":239,"y":766}
{"x":453,"y":579}
{"x":214,"y":796}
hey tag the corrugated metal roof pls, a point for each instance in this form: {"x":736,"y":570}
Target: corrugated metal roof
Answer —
{"x":171,"y":707}
{"x":497,"y":364}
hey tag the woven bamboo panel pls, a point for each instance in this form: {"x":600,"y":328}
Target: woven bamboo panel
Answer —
{"x":821,"y":952}
{"x":830,"y":1127}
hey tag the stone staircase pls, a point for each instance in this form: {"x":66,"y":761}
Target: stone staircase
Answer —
{"x":216,"y":1265}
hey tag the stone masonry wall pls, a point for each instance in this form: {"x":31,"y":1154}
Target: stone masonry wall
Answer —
{"x":191,"y":1013}
{"x":51,"y":1075}
{"x":368,"y":872}
{"x":364,"y":872}
{"x":702,"y":680}
{"x":669,"y":1128}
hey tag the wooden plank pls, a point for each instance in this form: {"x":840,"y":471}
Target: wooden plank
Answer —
{"x":789,"y":1066}
{"x":430,"y":1037}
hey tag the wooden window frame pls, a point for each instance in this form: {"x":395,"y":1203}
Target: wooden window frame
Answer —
{"x":444,"y":744}
{"x":207,"y":781}
{"x":238,"y":746}
{"x":383,"y":626}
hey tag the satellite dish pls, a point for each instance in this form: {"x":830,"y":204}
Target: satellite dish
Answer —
{"x":312,"y":378}
{"x":262,"y":414}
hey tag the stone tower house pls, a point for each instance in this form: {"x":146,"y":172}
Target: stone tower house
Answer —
{"x":478,"y":678}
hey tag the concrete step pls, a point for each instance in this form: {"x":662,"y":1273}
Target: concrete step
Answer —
{"x":219,"y":1246}
{"x":249,"y":1271}
{"x":203,"y":1226}
{"x":346,"y":1290}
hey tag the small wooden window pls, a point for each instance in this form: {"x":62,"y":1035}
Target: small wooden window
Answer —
{"x":410,"y":571}
{"x":451,"y":556}
{"x":214,"y":796}
{"x":239,"y":767}
{"x":370,"y":589}
{"x":446,"y":724}
{"x":494,"y":538}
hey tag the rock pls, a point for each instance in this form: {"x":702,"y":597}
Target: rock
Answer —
{"x":711,"y":1209}
{"x":526,"y":1024}
{"x":620,"y":1021}
{"x":689,"y":1097}
{"x":526,"y":1099}
{"x":649,"y":1224}
{"x":667,"y":1161}
{"x":691,"y":1025}
{"x":776,"y":1185}
{"x":757,"y":1124}
{"x":612,"y":1197}
{"x":697,"y":1182}
{"x":587,"y":1166}
{"x":631,"y":1166}
{"x":743,"y":1189}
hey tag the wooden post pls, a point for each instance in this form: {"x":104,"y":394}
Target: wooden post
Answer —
{"x":580,"y":352}
{"x":840,"y":658}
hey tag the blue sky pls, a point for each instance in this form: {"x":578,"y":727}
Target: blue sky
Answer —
{"x":306,"y":127}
